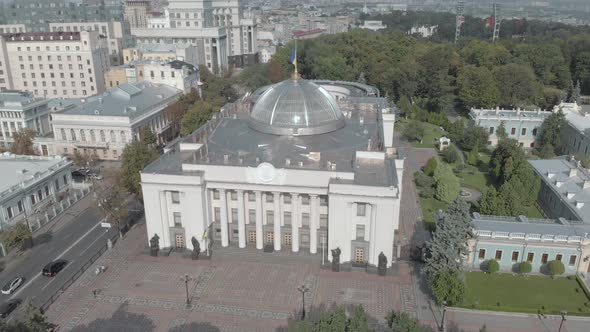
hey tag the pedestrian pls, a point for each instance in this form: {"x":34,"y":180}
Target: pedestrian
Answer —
{"x":94,"y":293}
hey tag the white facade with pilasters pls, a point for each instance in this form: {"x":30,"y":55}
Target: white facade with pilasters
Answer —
{"x":351,"y":203}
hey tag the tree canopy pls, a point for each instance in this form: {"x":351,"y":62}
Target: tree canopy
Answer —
{"x":23,"y":142}
{"x":135,"y":157}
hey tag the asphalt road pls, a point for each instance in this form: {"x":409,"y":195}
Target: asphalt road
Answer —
{"x":75,"y":242}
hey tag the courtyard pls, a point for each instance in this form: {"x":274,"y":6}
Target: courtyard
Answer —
{"x":237,"y":290}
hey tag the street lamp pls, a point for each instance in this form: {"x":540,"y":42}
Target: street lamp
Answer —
{"x":442,"y":322}
{"x":563,"y":313}
{"x":303,"y":289}
{"x":186,"y":279}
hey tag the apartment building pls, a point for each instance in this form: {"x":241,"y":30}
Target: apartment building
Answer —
{"x":55,"y":64}
{"x":20,"y":110}
{"x":136,"y":13}
{"x":161,"y":52}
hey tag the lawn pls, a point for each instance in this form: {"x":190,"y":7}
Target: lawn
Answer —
{"x":431,"y":135}
{"x":429,"y":207}
{"x":507,"y":292}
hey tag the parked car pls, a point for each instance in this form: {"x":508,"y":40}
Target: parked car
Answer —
{"x":95,"y":176}
{"x":53,"y":268}
{"x":8,"y":307}
{"x":12,"y":285}
{"x":78,"y":174}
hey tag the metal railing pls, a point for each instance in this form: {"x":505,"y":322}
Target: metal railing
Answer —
{"x":55,"y":296}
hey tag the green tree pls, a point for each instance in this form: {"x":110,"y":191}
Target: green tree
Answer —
{"x":550,"y":131}
{"x":23,"y":142}
{"x":334,"y":320}
{"x":478,"y":88}
{"x":447,"y":184}
{"x":555,"y":267}
{"x":474,"y":137}
{"x":147,"y":136}
{"x":448,"y":246}
{"x":491,"y":266}
{"x":254,"y":77}
{"x":436,"y":69}
{"x":448,"y":286}
{"x":403,"y":322}
{"x":34,"y":321}
{"x":406,"y":107}
{"x":430,"y":166}
{"x":473,"y":157}
{"x":525,"y":267}
{"x":518,"y":85}
{"x":501,"y":132}
{"x":197,"y":116}
{"x":489,"y":202}
{"x":84,"y":160}
{"x":136,"y":156}
{"x":415,"y":131}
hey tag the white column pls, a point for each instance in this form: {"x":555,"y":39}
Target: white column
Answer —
{"x":259,"y":242}
{"x":2,"y":128}
{"x":223,"y":221}
{"x":372,"y":254}
{"x":314,"y":217}
{"x":277,"y":220}
{"x":164,"y":236}
{"x":241,"y":221}
{"x":295,"y":216}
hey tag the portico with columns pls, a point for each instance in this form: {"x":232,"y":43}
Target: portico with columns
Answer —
{"x":232,"y":183}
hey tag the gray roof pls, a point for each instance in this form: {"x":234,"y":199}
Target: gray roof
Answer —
{"x":129,"y":100}
{"x":15,"y":170}
{"x":579,"y":120}
{"x":529,"y":228}
{"x":296,"y":107}
{"x":14,"y":99}
{"x":508,"y":115}
{"x":565,"y":177}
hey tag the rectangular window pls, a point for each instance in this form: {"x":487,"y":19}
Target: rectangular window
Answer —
{"x":544,"y":258}
{"x":498,"y":255}
{"x":530,"y":256}
{"x":491,"y":130}
{"x":251,"y":197}
{"x":269,"y":198}
{"x":558,"y":257}
{"x":482,"y":254}
{"x":523,"y":131}
{"x":323,"y":200}
{"x":33,"y":199}
{"x":269,"y":217}
{"x":215,"y":194}
{"x":360,"y":232}
{"x":234,"y":196}
{"x":46,"y":190}
{"x":304,"y":200}
{"x":177,"y":219}
{"x":234,"y":215}
{"x":270,"y":237}
{"x":252,"y":236}
{"x":287,"y":199}
{"x":65,"y":180}
{"x":217,"y":214}
{"x":361,"y":209}
{"x":20,"y":206}
{"x":287,"y":218}
{"x":305,"y":219}
{"x":514,"y":256}
{"x":572,"y":261}
{"x":175,"y":197}
{"x":9,"y":212}
{"x":513,"y":131}
{"x":252,"y":216}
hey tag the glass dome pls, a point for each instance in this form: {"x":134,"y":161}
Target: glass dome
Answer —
{"x":296,"y":107}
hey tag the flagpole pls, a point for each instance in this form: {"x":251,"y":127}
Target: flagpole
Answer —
{"x":296,"y":71}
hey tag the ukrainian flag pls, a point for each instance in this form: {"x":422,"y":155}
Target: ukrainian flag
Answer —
{"x":293,"y":59}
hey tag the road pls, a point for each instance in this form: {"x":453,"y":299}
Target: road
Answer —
{"x":76,"y":242}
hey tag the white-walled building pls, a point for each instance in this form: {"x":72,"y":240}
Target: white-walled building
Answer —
{"x":112,"y":30}
{"x":424,"y":30}
{"x":104,"y":124}
{"x":162,"y":52}
{"x":373,"y":25}
{"x":222,"y":31}
{"x":55,"y":64}
{"x":266,"y":52}
{"x":29,"y":183}
{"x":300,"y":170}
{"x":177,"y":74}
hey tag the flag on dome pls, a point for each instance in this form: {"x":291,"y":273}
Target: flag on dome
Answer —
{"x":293,"y":59}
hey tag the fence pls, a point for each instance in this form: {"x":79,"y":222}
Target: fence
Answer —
{"x":77,"y":275}
{"x":58,"y":208}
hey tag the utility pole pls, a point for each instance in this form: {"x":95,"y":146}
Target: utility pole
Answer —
{"x":563,"y":313}
{"x":497,"y":21}
{"x":186,"y":279}
{"x":303,"y":289}
{"x":442,"y":322}
{"x":460,"y":19}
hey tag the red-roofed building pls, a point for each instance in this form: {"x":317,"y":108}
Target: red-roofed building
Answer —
{"x":308,"y":34}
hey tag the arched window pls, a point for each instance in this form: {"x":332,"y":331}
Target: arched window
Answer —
{"x":113,"y":137}
{"x":83,"y":135}
{"x":123,"y":137}
{"x":92,"y":136}
{"x":102,"y":136}
{"x":63,"y":135}
{"x":73,"y":134}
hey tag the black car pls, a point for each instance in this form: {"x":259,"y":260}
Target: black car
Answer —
{"x":7,"y":307}
{"x":53,"y":268}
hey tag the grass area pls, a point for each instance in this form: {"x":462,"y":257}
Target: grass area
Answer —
{"x":429,"y":207}
{"x":475,"y":181}
{"x":507,"y":292}
{"x":431,"y":135}
{"x":534,"y":212}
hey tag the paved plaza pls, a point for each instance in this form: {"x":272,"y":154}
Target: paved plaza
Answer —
{"x":237,"y":290}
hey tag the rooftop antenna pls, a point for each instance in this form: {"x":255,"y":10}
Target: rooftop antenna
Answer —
{"x":460,"y":19}
{"x":497,"y":21}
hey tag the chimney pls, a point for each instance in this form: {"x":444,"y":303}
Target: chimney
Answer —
{"x":579,"y":205}
{"x":570,"y":195}
{"x":573,"y":172}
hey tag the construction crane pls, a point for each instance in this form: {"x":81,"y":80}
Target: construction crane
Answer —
{"x":497,"y":21}
{"x":460,"y":19}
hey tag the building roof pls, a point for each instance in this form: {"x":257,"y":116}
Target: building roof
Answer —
{"x":14,"y":99}
{"x":160,"y":48}
{"x":579,"y":119}
{"x":128,"y":100}
{"x":524,"y":228}
{"x":568,"y":180}
{"x":41,"y":36}
{"x":296,"y":107}
{"x":301,"y":33}
{"x":509,"y":115}
{"x":17,"y":171}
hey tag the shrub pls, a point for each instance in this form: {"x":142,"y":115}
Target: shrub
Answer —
{"x":427,"y":192}
{"x":430,"y":166}
{"x":473,"y":157}
{"x":450,"y":155}
{"x":525,"y":267}
{"x":491,"y":266}
{"x":422,"y":180}
{"x":555,"y":267}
